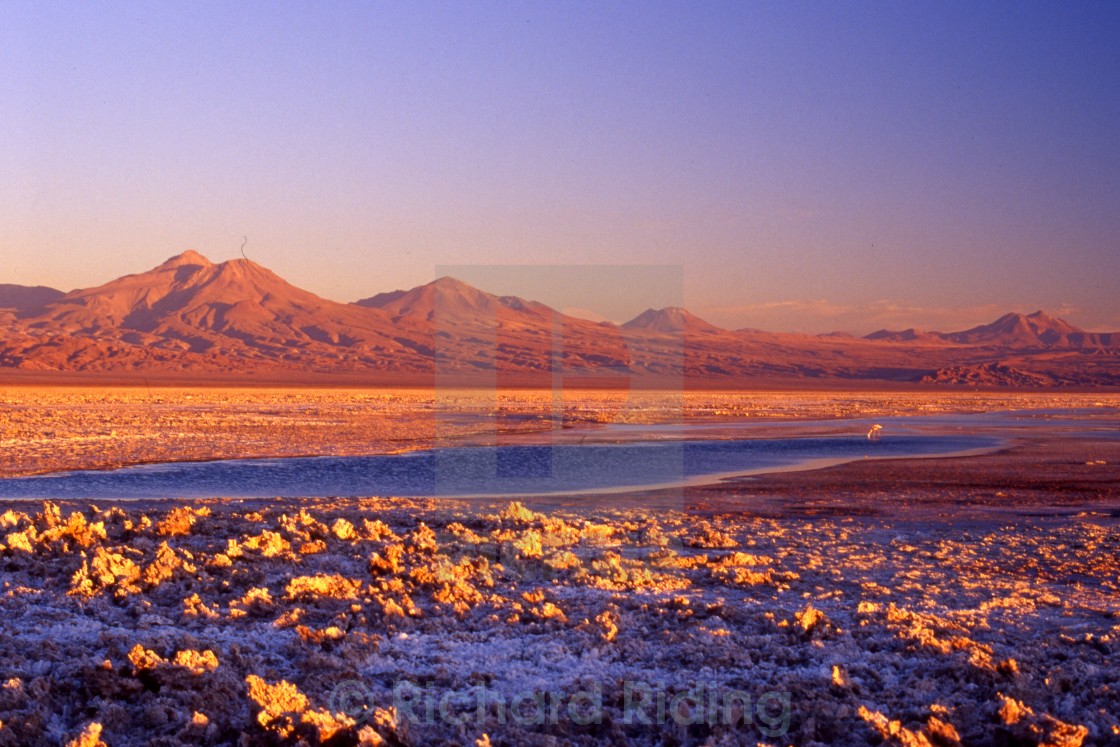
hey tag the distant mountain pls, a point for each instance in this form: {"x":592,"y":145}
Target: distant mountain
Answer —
{"x":24,"y":298}
{"x":1013,"y":332}
{"x":1037,"y":330}
{"x":193,"y":317}
{"x":906,"y":335}
{"x":471,"y":330}
{"x":190,"y":313}
{"x":454,"y":300}
{"x":672,"y":319}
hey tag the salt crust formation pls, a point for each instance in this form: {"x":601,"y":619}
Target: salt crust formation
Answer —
{"x":303,"y":622}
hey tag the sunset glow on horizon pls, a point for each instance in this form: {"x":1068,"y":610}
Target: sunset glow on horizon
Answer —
{"x":807,"y":166}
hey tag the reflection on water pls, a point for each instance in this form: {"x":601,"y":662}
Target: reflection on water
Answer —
{"x":533,"y":469}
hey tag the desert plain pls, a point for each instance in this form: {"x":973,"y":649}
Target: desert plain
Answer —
{"x":965,"y":600}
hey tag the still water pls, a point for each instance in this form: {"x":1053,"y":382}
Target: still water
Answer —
{"x":485,"y":471}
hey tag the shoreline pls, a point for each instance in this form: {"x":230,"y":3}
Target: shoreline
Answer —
{"x":709,"y":479}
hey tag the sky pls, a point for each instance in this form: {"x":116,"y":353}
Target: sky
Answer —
{"x":797,"y":166}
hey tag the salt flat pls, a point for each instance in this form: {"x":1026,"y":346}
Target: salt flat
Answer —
{"x":46,"y":429}
{"x":340,"y":622}
{"x":947,"y":601}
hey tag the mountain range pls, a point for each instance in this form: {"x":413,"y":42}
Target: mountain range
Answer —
{"x":193,"y":317}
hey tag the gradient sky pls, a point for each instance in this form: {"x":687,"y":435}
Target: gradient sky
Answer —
{"x":807,"y":166}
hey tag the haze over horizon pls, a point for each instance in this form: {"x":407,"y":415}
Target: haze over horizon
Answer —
{"x":806,"y":167}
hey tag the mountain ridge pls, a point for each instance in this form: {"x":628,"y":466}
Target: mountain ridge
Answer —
{"x":189,"y":314}
{"x":1011,"y":330}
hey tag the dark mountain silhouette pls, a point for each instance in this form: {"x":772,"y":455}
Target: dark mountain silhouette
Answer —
{"x":26,"y":298}
{"x":906,"y":335}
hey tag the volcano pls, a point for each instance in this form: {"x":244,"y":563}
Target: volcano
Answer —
{"x":200,"y":318}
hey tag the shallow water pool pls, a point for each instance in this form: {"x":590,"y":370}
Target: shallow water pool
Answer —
{"x":534,"y":469}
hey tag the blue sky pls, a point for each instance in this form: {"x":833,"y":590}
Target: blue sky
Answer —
{"x":807,"y":166}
